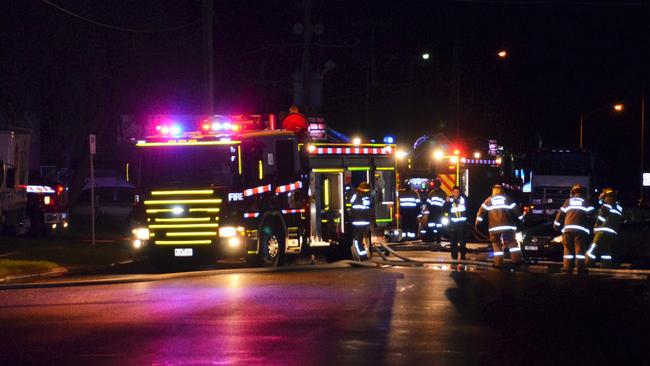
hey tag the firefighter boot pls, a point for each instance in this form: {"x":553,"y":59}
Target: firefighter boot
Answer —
{"x":498,"y":255}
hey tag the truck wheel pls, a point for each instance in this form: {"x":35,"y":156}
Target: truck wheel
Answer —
{"x":271,"y":249}
{"x":362,"y":247}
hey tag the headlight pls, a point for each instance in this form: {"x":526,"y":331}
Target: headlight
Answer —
{"x":234,"y":242}
{"x":557,"y":239}
{"x":141,"y":233}
{"x":520,"y":237}
{"x":229,"y":231}
{"x":445,"y":221}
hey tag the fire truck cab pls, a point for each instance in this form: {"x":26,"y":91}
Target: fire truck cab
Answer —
{"x":237,"y":187}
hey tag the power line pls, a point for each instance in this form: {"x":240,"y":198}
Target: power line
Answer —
{"x":118,"y":28}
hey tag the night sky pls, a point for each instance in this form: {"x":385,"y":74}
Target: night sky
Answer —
{"x":565,"y":58}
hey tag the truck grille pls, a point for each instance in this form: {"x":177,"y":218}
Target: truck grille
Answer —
{"x":183,"y":217}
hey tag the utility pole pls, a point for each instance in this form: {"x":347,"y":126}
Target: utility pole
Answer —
{"x":458,"y":68}
{"x":642,"y":141}
{"x":306,"y":58}
{"x":208,"y":54}
{"x":371,"y":77}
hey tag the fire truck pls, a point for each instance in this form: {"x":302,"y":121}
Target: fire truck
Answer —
{"x":238,"y":186}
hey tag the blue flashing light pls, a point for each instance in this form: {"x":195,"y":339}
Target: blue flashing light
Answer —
{"x":389,"y":140}
{"x":175,"y":130}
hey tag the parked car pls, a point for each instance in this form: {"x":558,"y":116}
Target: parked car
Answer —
{"x":114,"y":200}
{"x":542,"y":242}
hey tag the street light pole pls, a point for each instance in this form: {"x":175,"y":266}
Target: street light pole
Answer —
{"x":581,"y":122}
{"x":616,"y":107}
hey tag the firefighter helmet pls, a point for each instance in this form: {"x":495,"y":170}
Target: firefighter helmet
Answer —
{"x":577,"y":189}
{"x":497,"y":189}
{"x":608,"y":192}
{"x":364,"y":187}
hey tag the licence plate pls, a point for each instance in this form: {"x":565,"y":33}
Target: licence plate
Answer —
{"x":530,"y":247}
{"x":183,"y":252}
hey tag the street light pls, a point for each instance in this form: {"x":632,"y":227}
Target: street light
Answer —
{"x":426,"y":56}
{"x":502,"y":54}
{"x":616,"y":107}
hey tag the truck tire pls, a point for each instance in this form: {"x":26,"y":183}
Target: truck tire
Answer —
{"x":271,"y":249}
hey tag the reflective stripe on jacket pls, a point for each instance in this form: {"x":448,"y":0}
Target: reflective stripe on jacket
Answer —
{"x":501,"y":212}
{"x":575,"y":215}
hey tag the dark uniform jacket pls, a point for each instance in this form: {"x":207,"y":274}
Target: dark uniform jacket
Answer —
{"x":408,"y":199}
{"x":360,"y":207}
{"x":575,"y":215}
{"x":436,"y":201}
{"x":501,"y":212}
{"x":610,"y":217}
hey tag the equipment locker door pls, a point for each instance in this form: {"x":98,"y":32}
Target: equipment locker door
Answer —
{"x":326,"y":216}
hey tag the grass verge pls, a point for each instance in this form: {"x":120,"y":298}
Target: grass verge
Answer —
{"x":12,"y":266}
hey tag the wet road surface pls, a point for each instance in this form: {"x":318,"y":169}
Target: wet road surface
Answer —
{"x":349,"y":316}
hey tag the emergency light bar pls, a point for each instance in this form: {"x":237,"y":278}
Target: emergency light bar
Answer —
{"x":368,"y":149}
{"x":39,"y":189}
{"x":480,"y":161}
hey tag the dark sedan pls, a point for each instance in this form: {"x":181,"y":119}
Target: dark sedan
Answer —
{"x":542,"y":242}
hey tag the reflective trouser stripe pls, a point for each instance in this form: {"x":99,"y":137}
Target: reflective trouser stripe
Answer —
{"x":591,"y":250}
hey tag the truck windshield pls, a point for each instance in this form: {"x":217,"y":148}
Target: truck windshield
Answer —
{"x":187,"y":166}
{"x":578,"y":164}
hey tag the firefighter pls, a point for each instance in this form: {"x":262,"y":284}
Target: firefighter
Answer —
{"x":503,"y":216}
{"x":610,"y":217}
{"x":360,"y":208}
{"x":360,"y":205}
{"x":456,"y":217}
{"x":434,"y":206}
{"x":574,"y":218}
{"x":409,"y":206}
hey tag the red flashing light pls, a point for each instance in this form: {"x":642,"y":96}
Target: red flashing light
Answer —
{"x":60,"y":189}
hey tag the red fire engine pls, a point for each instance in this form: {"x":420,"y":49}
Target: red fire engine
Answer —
{"x":238,"y":187}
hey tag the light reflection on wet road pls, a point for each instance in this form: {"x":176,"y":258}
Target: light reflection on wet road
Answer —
{"x":341,"y":316}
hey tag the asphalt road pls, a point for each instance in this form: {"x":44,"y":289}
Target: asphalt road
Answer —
{"x":348,"y":316}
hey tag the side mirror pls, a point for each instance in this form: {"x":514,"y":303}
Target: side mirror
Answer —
{"x":11,"y":178}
